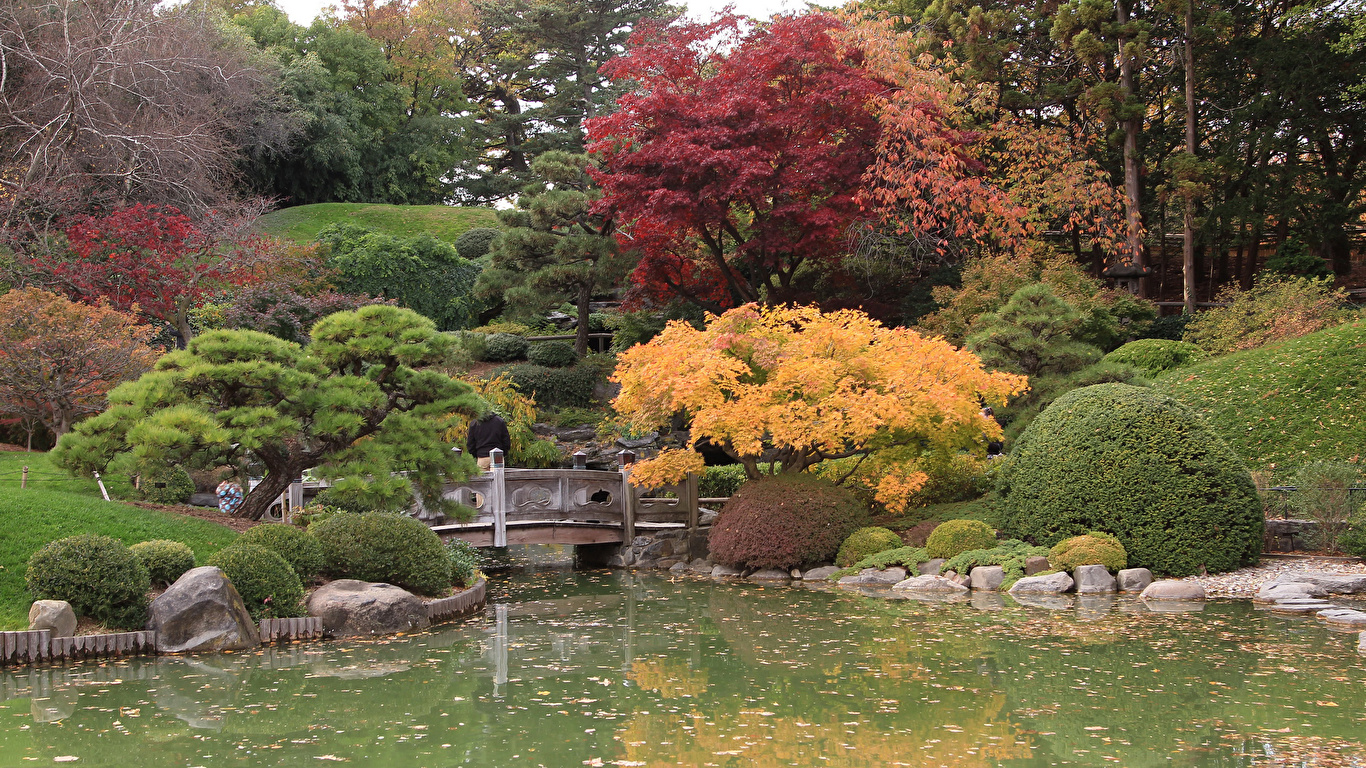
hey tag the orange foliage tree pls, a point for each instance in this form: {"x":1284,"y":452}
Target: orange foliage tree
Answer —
{"x":814,"y":387}
{"x":59,"y":358}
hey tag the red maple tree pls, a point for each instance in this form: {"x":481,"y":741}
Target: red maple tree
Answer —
{"x":735,"y":160}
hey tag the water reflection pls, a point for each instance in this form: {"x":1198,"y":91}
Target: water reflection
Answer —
{"x":567,"y":669}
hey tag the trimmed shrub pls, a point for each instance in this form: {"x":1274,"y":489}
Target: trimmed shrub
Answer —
{"x":377,"y":546}
{"x":167,"y":485}
{"x":785,"y":521}
{"x":465,"y":560}
{"x":340,"y":501}
{"x":1010,"y":554}
{"x":1094,"y":548}
{"x":1171,"y":327}
{"x":476,"y":243}
{"x":865,"y":542}
{"x":268,"y":586}
{"x":505,"y":347}
{"x":954,"y":537}
{"x":165,"y":560}
{"x":98,"y":575}
{"x":552,"y":354}
{"x":301,"y":551}
{"x":1138,"y":464}
{"x":1154,"y":356}
{"x":560,"y":387}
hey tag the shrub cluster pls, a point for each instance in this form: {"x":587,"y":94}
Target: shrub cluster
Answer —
{"x":865,"y":542}
{"x":164,"y":560}
{"x":168,"y":485}
{"x":909,"y":558}
{"x":954,"y":537}
{"x":505,"y":347}
{"x":1154,"y":356}
{"x":268,"y":586}
{"x":1140,"y":465}
{"x":1010,"y":554}
{"x":785,"y":521}
{"x":98,"y":575}
{"x":561,"y":387}
{"x":552,"y":354}
{"x":465,"y":560}
{"x":1094,"y":548}
{"x":389,"y":548}
{"x":301,"y":551}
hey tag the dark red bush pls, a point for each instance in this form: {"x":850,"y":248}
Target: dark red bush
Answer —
{"x":788,"y":521}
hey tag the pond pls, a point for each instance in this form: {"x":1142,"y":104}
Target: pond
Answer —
{"x":610,"y":668}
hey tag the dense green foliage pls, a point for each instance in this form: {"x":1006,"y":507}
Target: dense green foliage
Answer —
{"x":1155,"y":356}
{"x":420,"y":272}
{"x":954,"y":537}
{"x":563,"y":387}
{"x":1094,"y":548}
{"x":301,"y":551}
{"x":504,"y":347}
{"x":785,"y":521}
{"x":1140,"y":465}
{"x":1043,"y":390}
{"x":448,"y":223}
{"x":382,"y":547}
{"x":1010,"y":554}
{"x":1032,"y":334}
{"x":909,"y":558}
{"x":268,"y":586}
{"x":166,"y":485}
{"x":476,"y":243}
{"x":722,"y":481}
{"x":98,"y":575}
{"x":865,"y":542}
{"x":552,"y":354}
{"x":164,"y":560}
{"x":1284,"y":404}
{"x":465,"y":560}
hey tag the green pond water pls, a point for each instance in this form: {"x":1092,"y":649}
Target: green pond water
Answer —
{"x":608,"y":668}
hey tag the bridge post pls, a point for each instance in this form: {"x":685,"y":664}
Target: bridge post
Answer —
{"x":498,"y":494}
{"x":628,"y":497}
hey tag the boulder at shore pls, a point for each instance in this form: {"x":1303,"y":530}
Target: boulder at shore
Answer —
{"x":53,"y":615}
{"x":351,"y":608}
{"x":202,"y":612}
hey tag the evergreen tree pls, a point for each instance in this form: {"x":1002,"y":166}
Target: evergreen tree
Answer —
{"x":1032,"y":334}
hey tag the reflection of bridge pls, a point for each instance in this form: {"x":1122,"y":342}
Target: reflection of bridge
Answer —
{"x":563,"y":506}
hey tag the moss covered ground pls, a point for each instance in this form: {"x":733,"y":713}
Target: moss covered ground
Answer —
{"x":302,"y":223}
{"x":55,"y":505}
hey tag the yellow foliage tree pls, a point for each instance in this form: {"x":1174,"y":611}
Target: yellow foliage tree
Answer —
{"x":813,"y":386}
{"x":519,"y":411}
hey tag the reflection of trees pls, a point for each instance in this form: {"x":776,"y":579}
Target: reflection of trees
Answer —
{"x":670,"y":678}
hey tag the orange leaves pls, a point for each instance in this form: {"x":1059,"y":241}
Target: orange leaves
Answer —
{"x":670,"y":466}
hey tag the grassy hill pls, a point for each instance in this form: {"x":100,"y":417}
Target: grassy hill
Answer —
{"x":302,"y":223}
{"x":1286,"y":403}
{"x":55,"y":505}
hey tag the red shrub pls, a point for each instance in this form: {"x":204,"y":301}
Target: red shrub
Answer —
{"x":785,"y":522}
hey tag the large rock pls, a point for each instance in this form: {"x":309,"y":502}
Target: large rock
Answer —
{"x":53,"y":615}
{"x":885,"y":577}
{"x":1052,"y":584}
{"x":1344,"y":617}
{"x":1173,"y":589}
{"x":1336,"y":583}
{"x":701,"y":565}
{"x":926,"y":583}
{"x":770,"y":574}
{"x":931,"y":567}
{"x":987,"y":577}
{"x":720,"y":571}
{"x":351,"y":608}
{"x":1036,"y":564}
{"x":1093,"y":580}
{"x":819,"y":574}
{"x":202,"y":611}
{"x":1273,"y":591}
{"x":1134,"y":579}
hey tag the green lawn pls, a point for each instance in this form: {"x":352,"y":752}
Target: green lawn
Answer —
{"x":55,"y":505}
{"x":1284,"y":404}
{"x":302,"y":223}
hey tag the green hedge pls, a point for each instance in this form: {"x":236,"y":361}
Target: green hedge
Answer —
{"x":954,"y":537}
{"x":559,"y":387}
{"x":1154,"y":356}
{"x":170,"y":485}
{"x":301,"y":551}
{"x":268,"y":586}
{"x":552,"y":354}
{"x":1140,"y":465}
{"x":164,"y":560}
{"x":504,"y":347}
{"x":98,"y":575}
{"x":383,"y":547}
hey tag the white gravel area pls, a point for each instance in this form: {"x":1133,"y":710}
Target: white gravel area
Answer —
{"x":1246,"y":581}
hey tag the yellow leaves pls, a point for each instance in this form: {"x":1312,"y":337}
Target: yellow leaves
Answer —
{"x":671,"y":466}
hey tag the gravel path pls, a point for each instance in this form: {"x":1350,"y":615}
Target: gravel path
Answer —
{"x":1245,"y":582}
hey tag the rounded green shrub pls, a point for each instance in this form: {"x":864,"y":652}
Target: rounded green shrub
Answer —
{"x":1094,"y":548}
{"x":954,"y":537}
{"x":1137,"y":464}
{"x":785,"y":521}
{"x":865,"y":542}
{"x":98,"y":575}
{"x":168,"y":485}
{"x":165,"y":560}
{"x":268,"y":586}
{"x":335,"y":500}
{"x":504,"y":347}
{"x":1154,"y":356}
{"x":552,"y":354}
{"x":389,"y":548}
{"x":465,"y":560}
{"x":559,"y":387}
{"x":301,"y":551}
{"x":476,"y":243}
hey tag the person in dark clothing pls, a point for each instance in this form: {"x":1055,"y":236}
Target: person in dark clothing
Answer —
{"x":486,"y":434}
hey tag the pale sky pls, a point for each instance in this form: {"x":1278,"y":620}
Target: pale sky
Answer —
{"x":304,"y":11}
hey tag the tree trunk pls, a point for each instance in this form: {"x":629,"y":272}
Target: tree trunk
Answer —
{"x":1253,"y":247}
{"x":1188,"y":216}
{"x":1133,"y":203}
{"x":581,"y":333}
{"x":259,"y":499}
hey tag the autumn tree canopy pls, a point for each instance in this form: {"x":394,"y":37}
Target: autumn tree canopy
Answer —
{"x":814,"y":386}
